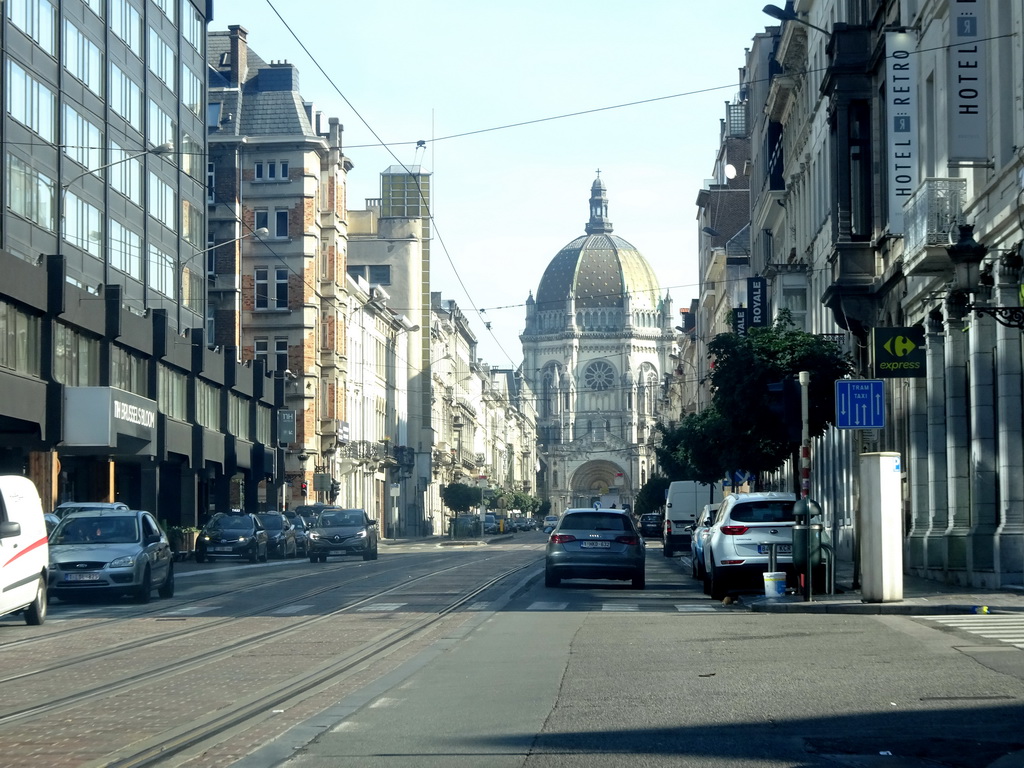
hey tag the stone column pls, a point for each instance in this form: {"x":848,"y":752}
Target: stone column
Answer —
{"x":938,"y":499}
{"x":917,"y":469}
{"x":982,"y":464}
{"x":958,"y":446}
{"x":1008,"y":544}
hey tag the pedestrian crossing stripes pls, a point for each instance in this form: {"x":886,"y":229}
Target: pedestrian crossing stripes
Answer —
{"x":192,"y":610}
{"x":1004,"y":628}
{"x":621,"y":607}
{"x":291,"y":609}
{"x":381,"y":607}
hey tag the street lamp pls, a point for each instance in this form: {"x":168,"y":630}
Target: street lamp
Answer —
{"x":164,"y":149}
{"x":185,"y":298}
{"x":787,"y":14}
{"x":967,"y":255}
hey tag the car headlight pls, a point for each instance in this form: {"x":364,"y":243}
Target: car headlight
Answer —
{"x":205,"y":538}
{"x":313,"y":535}
{"x":360,"y":535}
{"x":123,"y":562}
{"x":242,"y":539}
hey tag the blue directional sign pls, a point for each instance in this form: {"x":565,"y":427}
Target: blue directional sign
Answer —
{"x":860,"y":404}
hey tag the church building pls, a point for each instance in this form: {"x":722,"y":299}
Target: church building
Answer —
{"x":596,"y":351}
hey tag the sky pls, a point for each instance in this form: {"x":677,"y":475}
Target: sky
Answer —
{"x":519,"y":105}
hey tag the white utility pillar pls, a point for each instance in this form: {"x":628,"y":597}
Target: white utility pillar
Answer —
{"x":881,"y":528}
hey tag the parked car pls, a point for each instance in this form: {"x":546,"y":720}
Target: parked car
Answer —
{"x":51,"y":521}
{"x":112,"y":551}
{"x":699,"y":536}
{"x":490,"y":524}
{"x":86,"y":506}
{"x":595,"y":544}
{"x":736,"y":548}
{"x":650,"y":524}
{"x":280,"y":534}
{"x":232,"y":535}
{"x":24,"y":555}
{"x":337,"y":531}
{"x":301,"y":535}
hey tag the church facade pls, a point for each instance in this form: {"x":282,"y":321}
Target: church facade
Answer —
{"x":597,"y":351}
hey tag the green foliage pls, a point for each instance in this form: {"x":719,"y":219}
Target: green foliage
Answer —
{"x":651,"y":497}
{"x":459,"y":497}
{"x":544,"y":509}
{"x":739,"y":430}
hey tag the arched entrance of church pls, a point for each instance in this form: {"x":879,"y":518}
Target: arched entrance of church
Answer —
{"x":601,"y":481}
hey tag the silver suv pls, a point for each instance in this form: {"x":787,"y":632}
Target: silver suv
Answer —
{"x":595,"y":544}
{"x":737,"y":545}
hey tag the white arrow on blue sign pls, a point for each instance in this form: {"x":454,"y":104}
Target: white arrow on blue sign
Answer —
{"x":860,"y":404}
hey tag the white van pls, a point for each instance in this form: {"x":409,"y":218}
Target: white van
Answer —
{"x":683,"y":501}
{"x":24,"y":552}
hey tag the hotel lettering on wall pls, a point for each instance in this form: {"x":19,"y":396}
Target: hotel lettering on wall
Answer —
{"x":757,"y":301}
{"x":901,"y":102}
{"x":967,"y":94}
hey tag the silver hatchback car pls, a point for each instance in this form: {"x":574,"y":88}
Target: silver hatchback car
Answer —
{"x":595,"y":544}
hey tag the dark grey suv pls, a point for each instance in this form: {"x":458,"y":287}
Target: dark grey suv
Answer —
{"x":337,"y":531}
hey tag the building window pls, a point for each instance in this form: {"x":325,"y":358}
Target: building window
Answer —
{"x":261,"y":351}
{"x":193,"y":28}
{"x":172,"y":393}
{"x":213,"y":115}
{"x":167,"y":6}
{"x":83,"y":141}
{"x":263,"y":420}
{"x":374,"y":274}
{"x":267,"y":170}
{"x":82,"y":225}
{"x":281,"y":353}
{"x":192,"y":157}
{"x":276,"y":221}
{"x":125,"y":249}
{"x":125,"y":97}
{"x":162,"y":201}
{"x":30,"y":194}
{"x":599,"y":375}
{"x":238,"y":416}
{"x":161,"y":59}
{"x":161,"y":126}
{"x":125,"y":175}
{"x":161,"y":271}
{"x":207,"y":405}
{"x":30,"y":102}
{"x":126,"y":23}
{"x":271,"y":288}
{"x":19,"y":340}
{"x":211,"y":180}
{"x":76,"y":358}
{"x":37,"y":19}
{"x":82,"y":58}
{"x":191,"y":90}
{"x":127,"y":371}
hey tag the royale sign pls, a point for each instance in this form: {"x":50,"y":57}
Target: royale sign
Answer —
{"x":901,"y":105}
{"x":757,"y":301}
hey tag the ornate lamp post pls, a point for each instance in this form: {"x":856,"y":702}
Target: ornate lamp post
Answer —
{"x":967,"y":255}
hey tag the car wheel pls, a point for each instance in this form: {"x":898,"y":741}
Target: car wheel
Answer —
{"x":367,"y":554}
{"x":717,"y":586}
{"x":200,"y":558}
{"x":666,"y":550}
{"x":35,"y":614}
{"x":374,"y":551}
{"x":254,"y":553}
{"x":167,"y":588}
{"x":313,"y":558}
{"x":323,"y":557}
{"x":266,"y":554}
{"x":639,"y":580}
{"x":145,"y":590}
{"x":551,"y":579}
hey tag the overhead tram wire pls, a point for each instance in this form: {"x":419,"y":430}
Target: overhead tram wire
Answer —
{"x":419,"y":190}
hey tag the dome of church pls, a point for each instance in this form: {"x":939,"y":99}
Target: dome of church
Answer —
{"x":598,"y":268}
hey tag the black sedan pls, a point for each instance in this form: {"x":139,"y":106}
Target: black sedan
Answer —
{"x":651,"y":524}
{"x":232,"y":535}
{"x":280,"y":534}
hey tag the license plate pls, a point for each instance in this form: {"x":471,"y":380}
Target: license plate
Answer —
{"x":595,"y":544}
{"x":81,"y":577}
{"x":780,"y":549}
{"x":222,"y":549}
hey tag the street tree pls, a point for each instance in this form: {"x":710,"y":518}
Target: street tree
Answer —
{"x":651,"y":496}
{"x":460,"y":497}
{"x":747,"y":426}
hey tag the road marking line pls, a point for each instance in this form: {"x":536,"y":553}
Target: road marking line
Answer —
{"x":620,"y":607}
{"x":483,"y":606}
{"x":542,"y":606}
{"x":191,"y":610}
{"x":291,"y":609}
{"x":696,"y":608}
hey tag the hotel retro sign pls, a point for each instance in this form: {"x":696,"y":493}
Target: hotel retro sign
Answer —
{"x":901,"y":106}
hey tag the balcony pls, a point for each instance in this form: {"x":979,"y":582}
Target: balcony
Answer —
{"x":931,"y":213}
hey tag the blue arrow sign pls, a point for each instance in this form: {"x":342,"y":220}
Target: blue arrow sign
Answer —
{"x":860,"y":404}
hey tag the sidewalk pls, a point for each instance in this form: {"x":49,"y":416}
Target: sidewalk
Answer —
{"x":920,"y":596}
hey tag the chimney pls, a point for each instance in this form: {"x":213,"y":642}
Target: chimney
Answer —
{"x":239,"y":53}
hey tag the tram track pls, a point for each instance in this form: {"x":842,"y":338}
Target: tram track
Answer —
{"x":204,"y":657}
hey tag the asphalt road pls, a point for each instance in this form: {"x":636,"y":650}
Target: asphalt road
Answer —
{"x":596,"y":674}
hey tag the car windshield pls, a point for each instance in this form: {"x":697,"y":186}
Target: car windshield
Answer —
{"x":96,"y":530}
{"x":230,"y":523}
{"x":763,"y":512}
{"x":339,"y":518}
{"x":594,"y":521}
{"x":271,"y":521}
